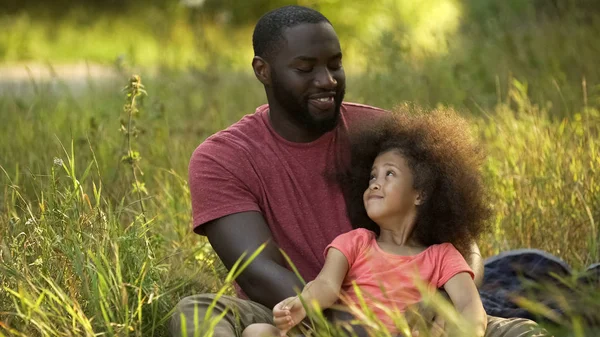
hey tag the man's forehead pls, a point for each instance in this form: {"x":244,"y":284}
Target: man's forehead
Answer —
{"x":311,"y":37}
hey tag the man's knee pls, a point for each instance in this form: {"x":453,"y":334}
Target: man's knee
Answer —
{"x":195,"y":303}
{"x":513,"y":327}
{"x":527,"y":328}
{"x":189,"y":312}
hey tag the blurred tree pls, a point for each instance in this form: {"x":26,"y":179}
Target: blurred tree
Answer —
{"x":58,"y":8}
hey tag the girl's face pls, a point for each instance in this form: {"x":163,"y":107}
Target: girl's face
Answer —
{"x":390,"y":197}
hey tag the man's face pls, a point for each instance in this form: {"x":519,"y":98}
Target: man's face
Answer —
{"x":307,"y":76}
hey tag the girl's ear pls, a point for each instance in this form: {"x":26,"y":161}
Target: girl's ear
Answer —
{"x":420,"y":199}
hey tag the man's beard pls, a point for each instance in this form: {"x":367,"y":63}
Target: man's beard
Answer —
{"x":297,"y":108}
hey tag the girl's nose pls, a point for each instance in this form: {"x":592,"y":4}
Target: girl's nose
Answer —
{"x":374,"y":186}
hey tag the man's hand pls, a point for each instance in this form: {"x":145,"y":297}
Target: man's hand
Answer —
{"x":438,"y":327}
{"x":288,"y":313}
{"x":419,"y":316}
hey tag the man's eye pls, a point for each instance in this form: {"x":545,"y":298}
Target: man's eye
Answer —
{"x":304,"y":70}
{"x":335,"y":66}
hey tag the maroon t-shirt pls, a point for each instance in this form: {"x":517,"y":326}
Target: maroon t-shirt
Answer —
{"x":249,"y":167}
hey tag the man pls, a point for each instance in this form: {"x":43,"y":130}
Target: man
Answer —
{"x":267,"y":177}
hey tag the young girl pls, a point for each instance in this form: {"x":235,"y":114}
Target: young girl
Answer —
{"x":415,"y":197}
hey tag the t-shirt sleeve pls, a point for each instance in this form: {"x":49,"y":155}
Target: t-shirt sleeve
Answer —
{"x":451,"y":262}
{"x":363,"y":117}
{"x":351,"y":244}
{"x":218,"y":180}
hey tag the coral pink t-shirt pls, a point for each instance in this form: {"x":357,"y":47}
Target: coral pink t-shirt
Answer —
{"x":388,"y":279}
{"x":249,"y":167}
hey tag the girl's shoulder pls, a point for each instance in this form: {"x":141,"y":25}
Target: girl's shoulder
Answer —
{"x":443,"y":245}
{"x":359,"y":235}
{"x":361,"y":232}
{"x":445,"y":253}
{"x":352,"y":244}
{"x":442,"y":248}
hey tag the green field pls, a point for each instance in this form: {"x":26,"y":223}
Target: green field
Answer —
{"x":89,"y":248}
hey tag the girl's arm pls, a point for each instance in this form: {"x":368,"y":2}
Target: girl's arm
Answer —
{"x":464,"y":295}
{"x":325,"y":290}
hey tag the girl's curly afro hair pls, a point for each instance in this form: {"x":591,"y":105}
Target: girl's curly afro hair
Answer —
{"x":445,"y":163}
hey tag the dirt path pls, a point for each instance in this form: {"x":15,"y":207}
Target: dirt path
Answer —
{"x":22,"y":79}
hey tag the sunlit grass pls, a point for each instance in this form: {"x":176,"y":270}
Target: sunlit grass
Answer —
{"x":77,"y":257}
{"x":543,"y":174}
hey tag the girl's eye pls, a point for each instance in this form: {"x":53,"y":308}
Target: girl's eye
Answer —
{"x":389,"y":173}
{"x":371,"y":177}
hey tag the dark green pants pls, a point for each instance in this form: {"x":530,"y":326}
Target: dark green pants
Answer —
{"x":187,"y":320}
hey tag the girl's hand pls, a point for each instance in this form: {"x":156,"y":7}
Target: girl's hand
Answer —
{"x":288,"y":313}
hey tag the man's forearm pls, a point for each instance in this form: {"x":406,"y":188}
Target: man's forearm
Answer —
{"x":265,"y":280}
{"x":269,"y":284}
{"x":476,"y":263}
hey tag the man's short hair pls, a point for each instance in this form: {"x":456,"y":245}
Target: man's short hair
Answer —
{"x":268,"y":33}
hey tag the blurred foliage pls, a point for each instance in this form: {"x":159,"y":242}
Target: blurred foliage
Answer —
{"x":455,"y":52}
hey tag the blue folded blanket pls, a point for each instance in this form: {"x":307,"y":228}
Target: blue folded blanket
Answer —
{"x":519,"y":273}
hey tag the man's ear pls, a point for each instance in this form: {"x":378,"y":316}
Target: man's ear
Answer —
{"x":262,"y":70}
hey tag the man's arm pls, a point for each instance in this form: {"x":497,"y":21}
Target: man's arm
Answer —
{"x":475,"y":261}
{"x":266,"y":280}
{"x":324,"y":290}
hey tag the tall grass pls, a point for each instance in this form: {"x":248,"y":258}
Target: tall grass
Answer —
{"x":77,"y":258}
{"x":543,"y":173}
{"x":78,"y":255}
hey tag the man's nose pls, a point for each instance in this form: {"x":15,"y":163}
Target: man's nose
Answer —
{"x":325,"y":80}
